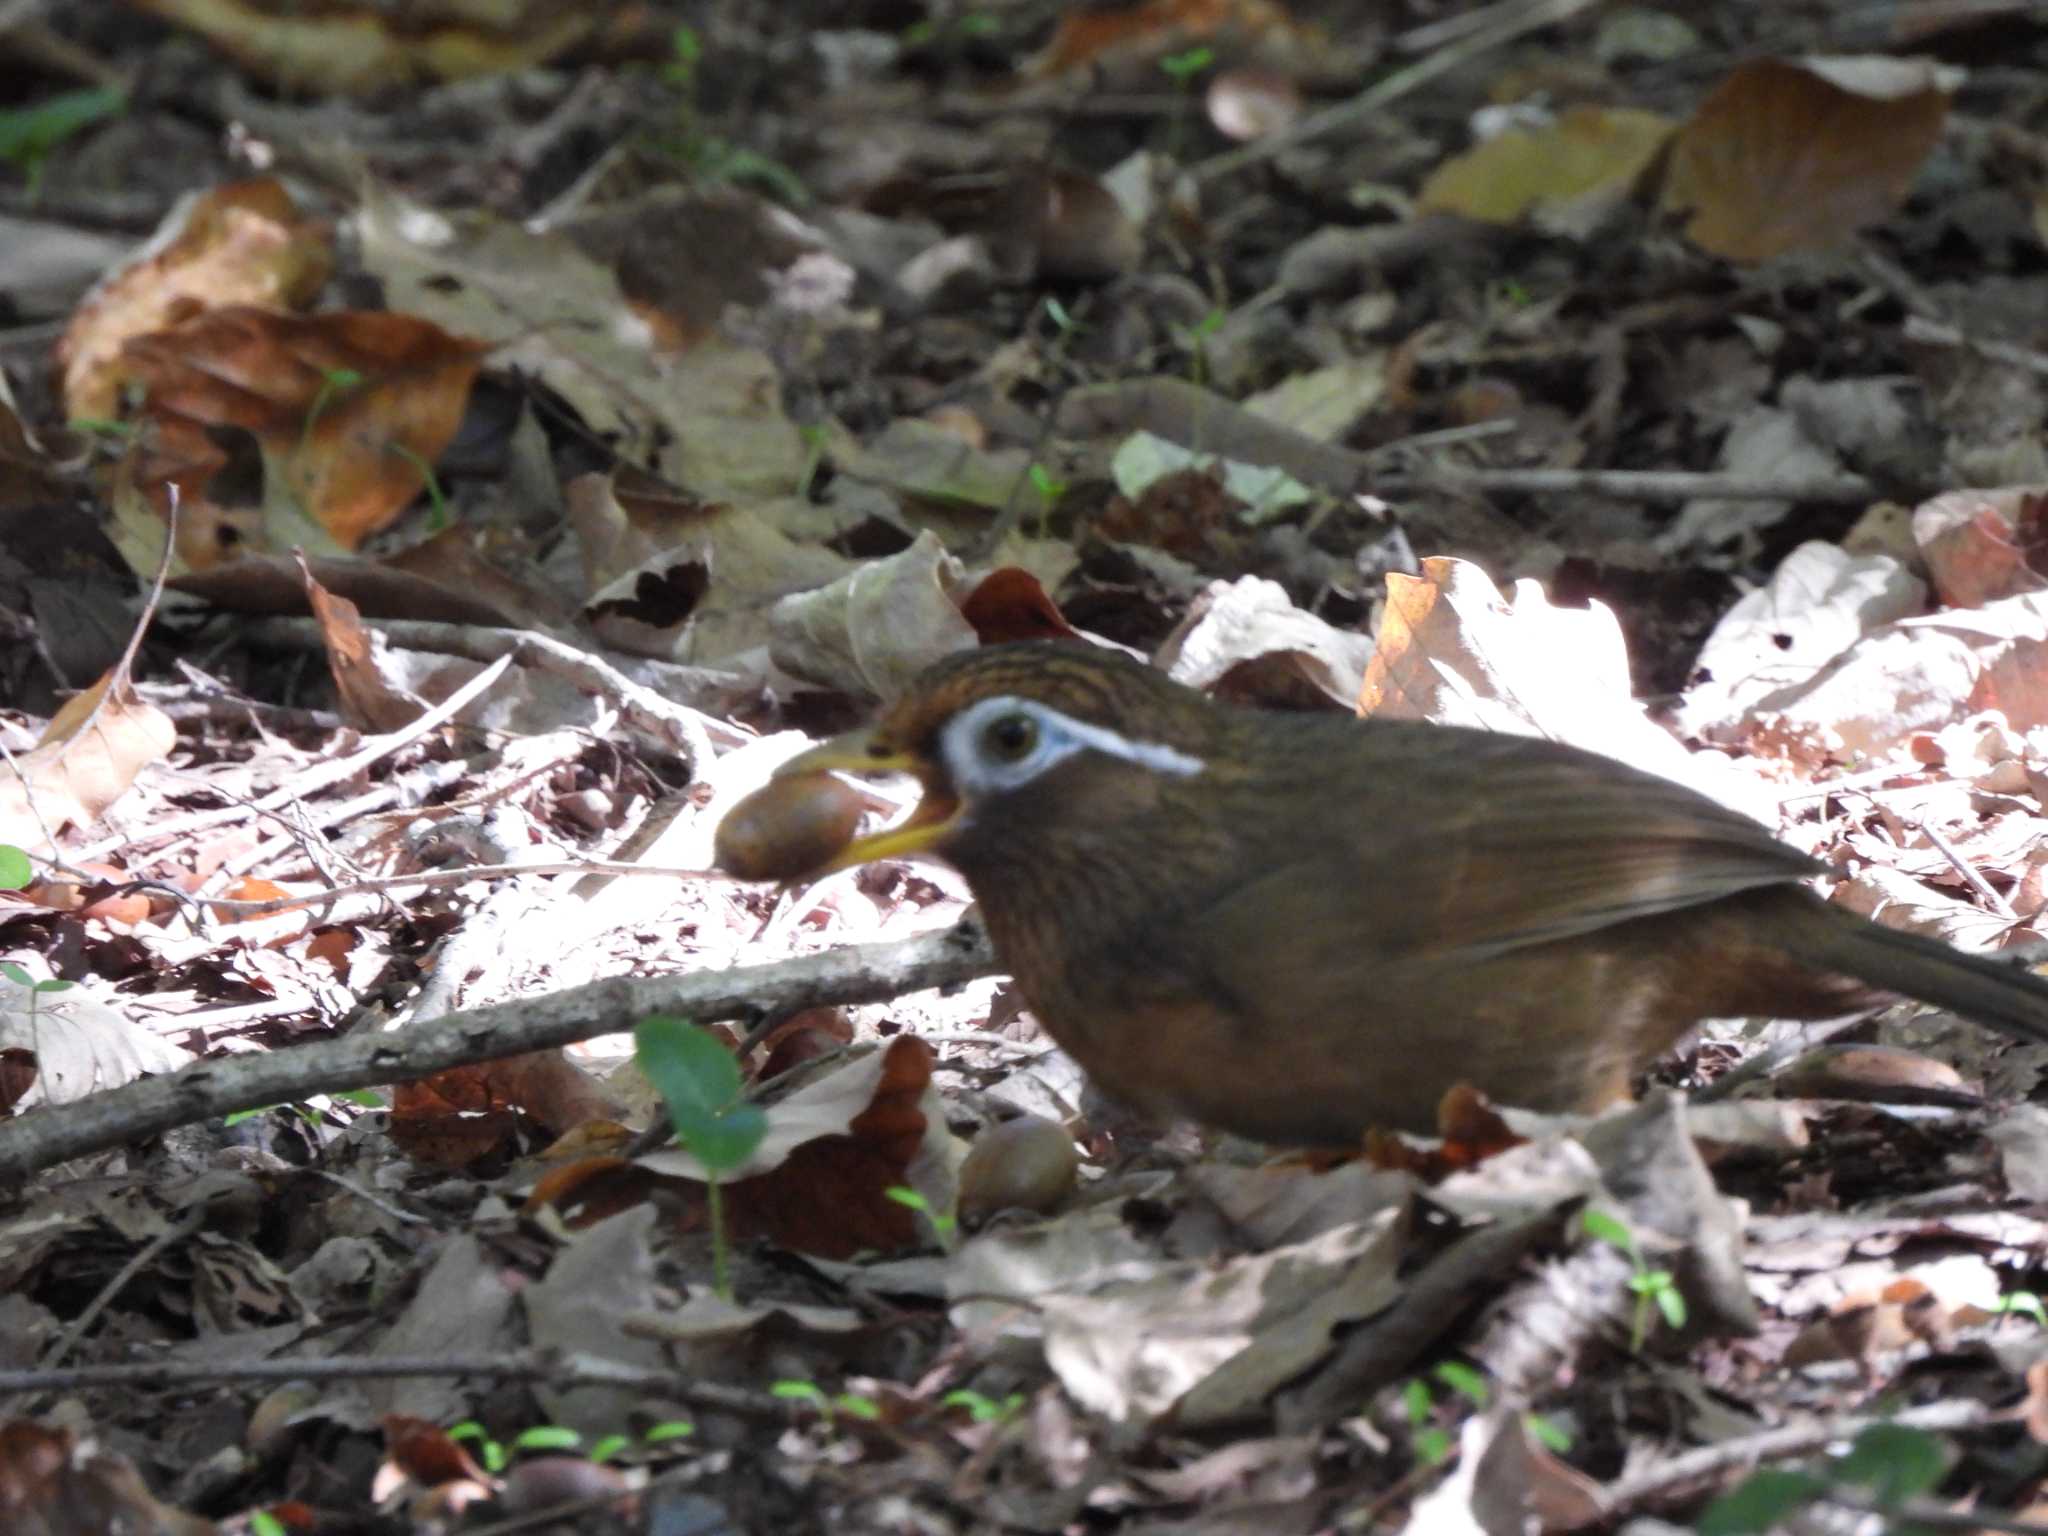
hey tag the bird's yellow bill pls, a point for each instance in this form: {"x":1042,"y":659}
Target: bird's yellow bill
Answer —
{"x":937,"y":812}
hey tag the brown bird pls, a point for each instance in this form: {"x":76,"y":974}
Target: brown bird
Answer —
{"x":1296,"y":927}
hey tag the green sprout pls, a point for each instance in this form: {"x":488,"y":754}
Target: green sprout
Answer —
{"x":699,"y":1079}
{"x":1656,"y":1290}
{"x":944,"y":1224}
{"x":827,"y":1406}
{"x":29,"y":134}
{"x":981,"y":1409}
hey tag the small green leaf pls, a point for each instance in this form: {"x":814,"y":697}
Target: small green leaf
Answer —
{"x":605,"y":1448}
{"x":1548,"y":1433}
{"x":859,"y":1407}
{"x":699,"y":1080}
{"x":904,"y":1195}
{"x":15,"y":869}
{"x":800,"y":1392}
{"x":547,"y":1437}
{"x":55,"y":985}
{"x":16,"y":974}
{"x":1416,"y":1400}
{"x":1607,"y":1228}
{"x":669,"y":1429}
{"x":468,"y":1429}
{"x":263,"y":1523}
{"x":729,"y":1140}
{"x":1433,"y":1446}
{"x":1465,"y":1381}
{"x":2023,"y":1301}
{"x":29,"y":133}
{"x":1672,"y":1305}
{"x":1758,"y":1503}
{"x":692,"y":1067}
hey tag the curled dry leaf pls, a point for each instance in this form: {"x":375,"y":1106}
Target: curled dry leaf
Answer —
{"x":1589,"y":155}
{"x":360,"y":49}
{"x":1788,"y":157}
{"x":95,"y":746}
{"x":348,"y":408}
{"x":242,"y":243}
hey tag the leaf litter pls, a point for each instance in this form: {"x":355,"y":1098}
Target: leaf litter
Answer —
{"x":1631,"y":349}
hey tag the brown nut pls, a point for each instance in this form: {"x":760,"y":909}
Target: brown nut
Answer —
{"x":1029,"y":1163}
{"x":788,"y":828}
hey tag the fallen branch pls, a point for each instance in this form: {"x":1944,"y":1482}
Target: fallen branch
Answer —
{"x":866,"y":973}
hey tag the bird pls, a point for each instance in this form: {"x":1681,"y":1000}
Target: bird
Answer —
{"x":1302,"y":927}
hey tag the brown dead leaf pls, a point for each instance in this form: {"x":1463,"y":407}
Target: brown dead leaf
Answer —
{"x":1981,"y":545}
{"x":1788,"y":157}
{"x":420,"y":1454}
{"x":833,"y":1149}
{"x":243,"y":243}
{"x":78,"y":769}
{"x":350,"y":408}
{"x":354,"y":656}
{"x":358,"y":49}
{"x":1010,"y":604}
{"x":1588,"y":155}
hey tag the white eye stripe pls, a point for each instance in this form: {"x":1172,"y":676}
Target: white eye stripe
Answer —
{"x":1059,"y":737}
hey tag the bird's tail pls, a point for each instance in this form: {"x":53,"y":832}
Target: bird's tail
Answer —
{"x":2000,"y":993}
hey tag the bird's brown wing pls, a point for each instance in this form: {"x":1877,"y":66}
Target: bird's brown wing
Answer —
{"x":1498,"y":843}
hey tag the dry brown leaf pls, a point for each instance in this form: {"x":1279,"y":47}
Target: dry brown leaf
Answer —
{"x":77,"y":770}
{"x":350,"y":408}
{"x":1588,"y":151}
{"x":1787,"y":157}
{"x":1010,"y":603}
{"x":243,"y":243}
{"x":361,"y":48}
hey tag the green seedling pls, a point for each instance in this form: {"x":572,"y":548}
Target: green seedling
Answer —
{"x":699,"y":1080}
{"x":368,"y":1098}
{"x":2025,"y":1303}
{"x":1196,"y":339}
{"x":827,"y":1406}
{"x":943,"y":1223}
{"x":490,"y":1455}
{"x":1432,"y":1443}
{"x":439,"y":514}
{"x":29,"y":134}
{"x":708,"y":156}
{"x":15,"y":869}
{"x":1656,"y":1290}
{"x":547,"y":1437}
{"x":37,"y":990}
{"x":263,"y":1523}
{"x":335,"y":384}
{"x":816,"y":439}
{"x":984,"y":1410}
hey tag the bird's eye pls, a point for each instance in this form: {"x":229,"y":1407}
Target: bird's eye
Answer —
{"x":1010,"y":738}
